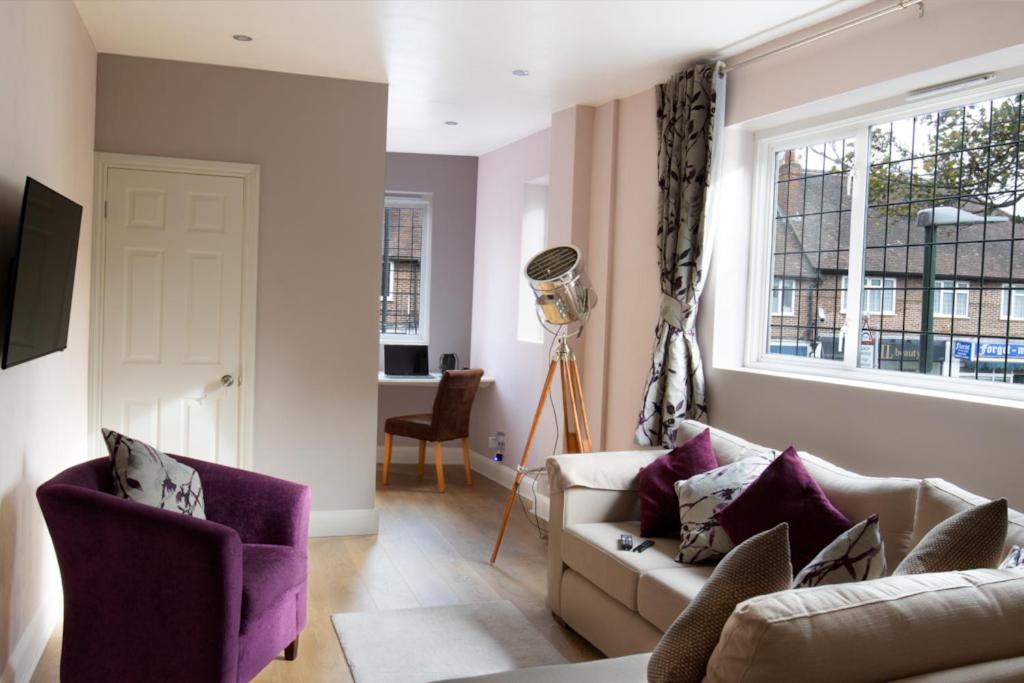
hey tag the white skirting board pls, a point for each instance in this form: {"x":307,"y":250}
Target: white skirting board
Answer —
{"x":359,"y":522}
{"x":24,"y":658}
{"x":481,"y":464}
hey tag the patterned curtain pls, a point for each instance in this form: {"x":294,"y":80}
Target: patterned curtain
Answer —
{"x":690,"y":115}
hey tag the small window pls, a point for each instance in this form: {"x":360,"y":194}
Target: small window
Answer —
{"x":533,"y":236}
{"x":1012,"y":304}
{"x":950,"y":301}
{"x":404,"y":275}
{"x":879,"y":296}
{"x":783,"y":297}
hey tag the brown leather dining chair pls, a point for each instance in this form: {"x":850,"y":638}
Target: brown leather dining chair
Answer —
{"x":449,"y":420}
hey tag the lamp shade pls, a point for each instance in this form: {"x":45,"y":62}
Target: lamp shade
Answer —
{"x":559,"y":285}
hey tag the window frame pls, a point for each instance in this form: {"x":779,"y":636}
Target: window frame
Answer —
{"x":411,"y":200}
{"x":850,"y":123}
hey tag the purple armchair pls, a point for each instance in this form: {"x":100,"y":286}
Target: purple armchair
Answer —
{"x":153,"y":595}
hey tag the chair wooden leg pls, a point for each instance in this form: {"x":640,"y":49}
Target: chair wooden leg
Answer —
{"x":423,"y":458}
{"x":439,"y":464}
{"x":465,"y":461}
{"x":387,"y":457}
{"x":292,"y":651}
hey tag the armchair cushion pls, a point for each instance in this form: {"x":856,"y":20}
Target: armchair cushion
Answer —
{"x":268,"y":571}
{"x":145,"y":475}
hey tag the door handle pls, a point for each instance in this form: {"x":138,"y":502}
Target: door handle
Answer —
{"x":227,"y":380}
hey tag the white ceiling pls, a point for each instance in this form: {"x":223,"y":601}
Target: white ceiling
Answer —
{"x":452,"y":60}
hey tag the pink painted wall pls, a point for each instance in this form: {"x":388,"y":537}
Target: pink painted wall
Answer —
{"x":48,"y":81}
{"x":518,"y":367}
{"x":452,"y":182}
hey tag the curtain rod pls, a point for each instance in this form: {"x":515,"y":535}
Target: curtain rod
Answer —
{"x":897,"y":7}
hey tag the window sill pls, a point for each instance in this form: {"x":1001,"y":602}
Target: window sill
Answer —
{"x":403,"y":341}
{"x":1006,"y":396}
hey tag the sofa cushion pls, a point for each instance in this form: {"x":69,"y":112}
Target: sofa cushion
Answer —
{"x":663,"y":594}
{"x":145,"y":475}
{"x":758,"y":566}
{"x":701,"y":498}
{"x":592,"y":550}
{"x":786,"y":493}
{"x":659,"y":507}
{"x":728,"y":447}
{"x":893,"y":499}
{"x":855,"y":555}
{"x":268,"y":571}
{"x":938,"y":500}
{"x":972,"y":539}
{"x":873,"y":630}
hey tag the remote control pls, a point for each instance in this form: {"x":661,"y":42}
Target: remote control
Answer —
{"x":643,"y":546}
{"x":625,"y":542}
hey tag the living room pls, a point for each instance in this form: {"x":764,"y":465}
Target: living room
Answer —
{"x":362,"y":176}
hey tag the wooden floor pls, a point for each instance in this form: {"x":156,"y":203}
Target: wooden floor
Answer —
{"x":433,"y":549}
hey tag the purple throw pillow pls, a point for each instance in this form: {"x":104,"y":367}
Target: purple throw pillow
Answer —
{"x":786,"y":492}
{"x":659,"y":506}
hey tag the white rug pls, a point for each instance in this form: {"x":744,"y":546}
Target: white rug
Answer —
{"x":435,"y":643}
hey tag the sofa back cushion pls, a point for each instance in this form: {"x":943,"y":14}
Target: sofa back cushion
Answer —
{"x":893,"y":499}
{"x":939,"y":500}
{"x":959,"y":618}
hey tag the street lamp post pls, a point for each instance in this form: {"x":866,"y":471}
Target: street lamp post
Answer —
{"x":930,"y":220}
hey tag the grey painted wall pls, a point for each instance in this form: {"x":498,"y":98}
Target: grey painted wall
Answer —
{"x":452,"y":182}
{"x":320,"y":144}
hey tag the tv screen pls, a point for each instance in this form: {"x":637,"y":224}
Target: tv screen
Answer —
{"x":43,"y":275}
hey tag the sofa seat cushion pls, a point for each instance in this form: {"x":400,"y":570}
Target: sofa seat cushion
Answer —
{"x":592,"y":550}
{"x":629,"y":669}
{"x":268,"y":571}
{"x":663,"y":594}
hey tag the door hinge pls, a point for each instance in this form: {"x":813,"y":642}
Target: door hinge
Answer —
{"x":104,"y":209}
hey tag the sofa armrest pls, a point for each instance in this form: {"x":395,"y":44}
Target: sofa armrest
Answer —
{"x":609,"y":470}
{"x":141,"y":579}
{"x":260,"y":508}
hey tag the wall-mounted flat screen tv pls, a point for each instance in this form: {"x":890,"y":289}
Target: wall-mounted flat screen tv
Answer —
{"x":43,"y":274}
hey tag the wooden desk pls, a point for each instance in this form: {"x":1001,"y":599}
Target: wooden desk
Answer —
{"x":432,"y":381}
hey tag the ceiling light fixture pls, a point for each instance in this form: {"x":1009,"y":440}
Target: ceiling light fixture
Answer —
{"x":520,"y":72}
{"x":451,"y":123}
{"x":242,"y":38}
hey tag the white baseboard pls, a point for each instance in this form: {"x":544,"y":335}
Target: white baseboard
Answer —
{"x":24,"y":658}
{"x":506,"y":476}
{"x":359,"y":522}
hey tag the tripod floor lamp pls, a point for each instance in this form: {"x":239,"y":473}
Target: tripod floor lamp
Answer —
{"x":564,"y":302}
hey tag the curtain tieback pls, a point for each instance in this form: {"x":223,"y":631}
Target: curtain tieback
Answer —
{"x":674,"y":312}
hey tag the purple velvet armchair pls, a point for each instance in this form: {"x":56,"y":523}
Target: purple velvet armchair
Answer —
{"x":153,"y":595}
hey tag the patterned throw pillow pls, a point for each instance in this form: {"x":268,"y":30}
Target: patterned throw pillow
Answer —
{"x":972,"y":539}
{"x":701,"y":497}
{"x":145,"y":475}
{"x":758,"y":566}
{"x":858,"y":554}
{"x":1014,"y":559}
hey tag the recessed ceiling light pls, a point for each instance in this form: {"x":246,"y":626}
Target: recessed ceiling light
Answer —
{"x":241,"y":37}
{"x":451,"y":123}
{"x":520,"y":72}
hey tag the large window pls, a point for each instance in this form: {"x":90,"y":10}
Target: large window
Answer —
{"x":404,"y":274}
{"x":916,"y":218}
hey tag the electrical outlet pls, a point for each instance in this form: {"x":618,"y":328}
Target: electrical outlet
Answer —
{"x":497,"y":440}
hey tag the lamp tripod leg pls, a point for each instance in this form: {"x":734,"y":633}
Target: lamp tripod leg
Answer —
{"x":521,"y":470}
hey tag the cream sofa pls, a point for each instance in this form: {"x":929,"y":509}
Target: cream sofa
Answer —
{"x":936,"y":627}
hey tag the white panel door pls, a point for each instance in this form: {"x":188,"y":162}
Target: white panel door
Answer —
{"x":172,"y":311}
